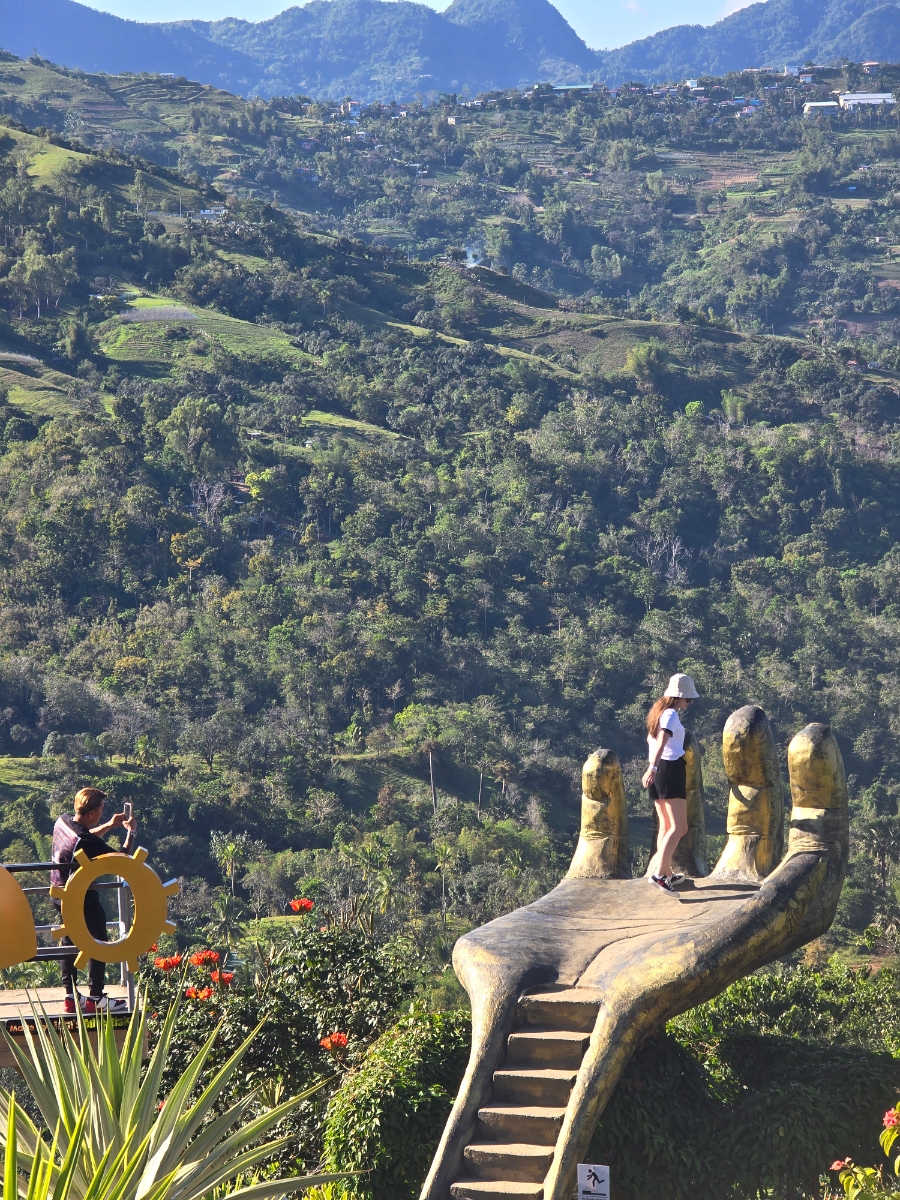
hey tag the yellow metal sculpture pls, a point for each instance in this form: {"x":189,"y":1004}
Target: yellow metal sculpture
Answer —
{"x":150,"y":905}
{"x":18,"y":937}
{"x":564,"y":991}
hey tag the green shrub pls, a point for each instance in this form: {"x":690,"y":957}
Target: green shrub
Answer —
{"x":740,"y":1117}
{"x":304,"y":983}
{"x":832,"y":1006}
{"x":388,"y":1116}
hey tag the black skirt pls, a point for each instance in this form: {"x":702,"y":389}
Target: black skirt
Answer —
{"x":671,"y":780}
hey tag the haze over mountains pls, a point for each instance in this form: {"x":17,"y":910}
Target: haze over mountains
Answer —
{"x":395,"y":49}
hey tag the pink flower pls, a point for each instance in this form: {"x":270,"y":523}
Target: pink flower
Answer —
{"x":839,"y":1164}
{"x":891,"y":1117}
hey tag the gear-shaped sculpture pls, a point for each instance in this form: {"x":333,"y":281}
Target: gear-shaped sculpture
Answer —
{"x":150,"y":907}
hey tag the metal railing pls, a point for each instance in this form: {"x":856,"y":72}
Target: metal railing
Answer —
{"x":122,"y":924}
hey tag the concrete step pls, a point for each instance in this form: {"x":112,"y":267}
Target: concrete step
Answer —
{"x":525,"y":1085}
{"x":572,"y":1009}
{"x":515,"y":1161}
{"x":539,"y":1125}
{"x":499,"y":1189}
{"x":558,"y":1048}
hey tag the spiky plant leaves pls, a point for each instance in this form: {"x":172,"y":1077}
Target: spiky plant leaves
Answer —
{"x":118,"y":1139}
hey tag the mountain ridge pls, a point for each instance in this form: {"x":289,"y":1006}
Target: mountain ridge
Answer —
{"x":399,"y":49}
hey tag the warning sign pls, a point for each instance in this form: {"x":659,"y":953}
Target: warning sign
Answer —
{"x":593,"y":1180}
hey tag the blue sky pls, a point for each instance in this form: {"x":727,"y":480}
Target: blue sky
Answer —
{"x":602,"y":25}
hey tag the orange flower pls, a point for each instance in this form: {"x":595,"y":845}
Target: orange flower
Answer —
{"x":334,"y":1042}
{"x":168,"y":964}
{"x":223,"y":977}
{"x":195,"y":993}
{"x":201,"y":957}
{"x":302,"y":906}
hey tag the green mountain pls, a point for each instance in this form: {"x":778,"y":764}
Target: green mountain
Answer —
{"x":375,"y":50}
{"x":770,"y":34}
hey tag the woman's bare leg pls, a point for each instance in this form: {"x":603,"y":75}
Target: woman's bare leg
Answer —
{"x":665,"y":819}
{"x":675,"y":828}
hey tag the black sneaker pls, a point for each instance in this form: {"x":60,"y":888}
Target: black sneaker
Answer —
{"x":662,"y":882}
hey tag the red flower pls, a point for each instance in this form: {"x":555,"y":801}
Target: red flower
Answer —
{"x":223,"y":977}
{"x":334,"y":1042}
{"x":302,"y":906}
{"x":153,"y":949}
{"x":201,"y":957}
{"x":195,"y":993}
{"x":891,"y":1117}
{"x":168,"y":964}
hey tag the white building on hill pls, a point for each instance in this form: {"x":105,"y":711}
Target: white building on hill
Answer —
{"x":857,"y":99}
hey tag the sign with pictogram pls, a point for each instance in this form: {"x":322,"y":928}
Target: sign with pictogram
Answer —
{"x":593,"y":1180}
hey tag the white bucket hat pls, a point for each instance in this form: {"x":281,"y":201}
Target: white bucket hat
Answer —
{"x":683,"y":686}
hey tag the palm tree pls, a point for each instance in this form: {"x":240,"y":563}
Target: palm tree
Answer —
{"x":145,"y":753}
{"x":444,"y":861}
{"x":881,"y":839}
{"x":384,"y":890}
{"x":232,"y":850}
{"x":225,"y":925}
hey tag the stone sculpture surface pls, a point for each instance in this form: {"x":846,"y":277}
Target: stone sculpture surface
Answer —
{"x":564,"y":990}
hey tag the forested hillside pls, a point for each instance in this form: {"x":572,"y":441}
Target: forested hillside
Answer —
{"x":338,"y":556}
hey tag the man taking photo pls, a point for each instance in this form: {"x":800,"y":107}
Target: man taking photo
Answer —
{"x":84,"y":830}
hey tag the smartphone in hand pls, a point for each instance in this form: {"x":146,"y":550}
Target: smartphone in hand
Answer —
{"x":127,"y":807}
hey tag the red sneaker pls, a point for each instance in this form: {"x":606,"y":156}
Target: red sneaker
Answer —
{"x":69,"y":1005}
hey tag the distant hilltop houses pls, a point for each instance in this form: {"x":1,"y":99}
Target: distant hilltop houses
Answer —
{"x":850,"y":101}
{"x":808,"y":76}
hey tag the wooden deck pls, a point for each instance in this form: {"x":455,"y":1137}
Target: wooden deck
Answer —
{"x":16,"y":1002}
{"x":15,"y":1007}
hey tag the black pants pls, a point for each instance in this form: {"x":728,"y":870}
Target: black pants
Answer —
{"x":95,"y":919}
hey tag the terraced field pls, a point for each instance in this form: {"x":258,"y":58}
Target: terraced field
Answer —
{"x":153,"y":344}
{"x":38,"y":390}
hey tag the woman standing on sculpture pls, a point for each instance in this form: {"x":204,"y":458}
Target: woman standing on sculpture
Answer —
{"x":666,"y":777}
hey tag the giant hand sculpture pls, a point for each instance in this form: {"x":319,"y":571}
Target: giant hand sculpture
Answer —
{"x":564,"y":991}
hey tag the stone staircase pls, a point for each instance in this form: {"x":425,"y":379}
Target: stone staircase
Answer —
{"x":517,"y":1130}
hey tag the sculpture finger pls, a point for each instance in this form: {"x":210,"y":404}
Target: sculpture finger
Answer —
{"x":820,"y":821}
{"x":755,"y":798}
{"x":603,"y":850}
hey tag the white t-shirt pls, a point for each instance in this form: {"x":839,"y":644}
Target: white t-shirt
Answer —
{"x":674,"y":747}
